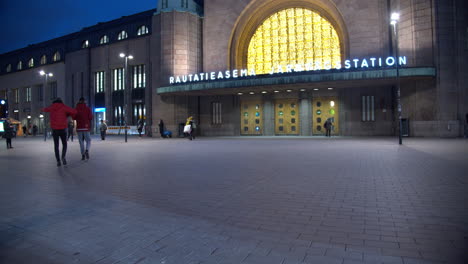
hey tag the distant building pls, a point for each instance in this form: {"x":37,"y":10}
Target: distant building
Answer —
{"x":259,"y":68}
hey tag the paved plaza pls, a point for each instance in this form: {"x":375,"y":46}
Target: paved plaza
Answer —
{"x":236,"y":200}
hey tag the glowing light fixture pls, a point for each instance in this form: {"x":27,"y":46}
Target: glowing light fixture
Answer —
{"x":240,"y":93}
{"x":332,"y":103}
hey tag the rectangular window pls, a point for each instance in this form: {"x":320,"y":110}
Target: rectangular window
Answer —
{"x":99,"y":81}
{"x":3,"y":94}
{"x":139,"y":112}
{"x":53,"y":90}
{"x":368,"y":107}
{"x":139,"y":76}
{"x":119,"y":79}
{"x":164,"y":4}
{"x":216,"y":114}
{"x":118,"y":115}
{"x":15,"y":95}
{"x":27,"y":97}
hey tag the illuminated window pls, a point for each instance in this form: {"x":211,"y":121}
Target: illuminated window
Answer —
{"x":27,"y":97}
{"x":294,"y":36}
{"x":8,"y":68}
{"x":19,"y":66}
{"x":43,"y":59}
{"x":122,"y":35}
{"x":56,"y":56}
{"x":143,"y":30}
{"x":139,"y":76}
{"x":104,"y":39}
{"x":85,"y":44}
{"x":31,"y":63}
{"x":118,"y":76}
{"x":100,"y":81}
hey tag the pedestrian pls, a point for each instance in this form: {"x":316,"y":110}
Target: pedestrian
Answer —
{"x":161,"y":128}
{"x":189,"y":128}
{"x":71,"y":127}
{"x":35,"y":129}
{"x":83,"y":119}
{"x":103,"y":129}
{"x":8,"y":134}
{"x":140,"y":126}
{"x":25,"y":131}
{"x":328,"y":127}
{"x":59,"y":114}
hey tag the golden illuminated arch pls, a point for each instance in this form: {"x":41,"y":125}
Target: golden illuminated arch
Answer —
{"x":294,"y":36}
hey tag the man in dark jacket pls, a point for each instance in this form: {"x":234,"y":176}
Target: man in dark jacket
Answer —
{"x":83,"y":119}
{"x":59,"y":114}
{"x":8,"y":134}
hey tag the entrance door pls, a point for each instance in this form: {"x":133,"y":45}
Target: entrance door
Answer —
{"x":251,"y":118}
{"x":97,"y":119}
{"x":322,"y":109}
{"x":286,"y":117}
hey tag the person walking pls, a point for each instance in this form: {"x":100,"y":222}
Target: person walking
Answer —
{"x":25,"y":131}
{"x":8,"y":134}
{"x":59,"y":114}
{"x":71,"y":127}
{"x":83,"y":119}
{"x":190,"y":133}
{"x":140,"y":125}
{"x":103,"y":129}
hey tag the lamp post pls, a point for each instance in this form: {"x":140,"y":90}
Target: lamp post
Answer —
{"x":46,"y":75}
{"x":395,"y":17}
{"x":126,"y":87}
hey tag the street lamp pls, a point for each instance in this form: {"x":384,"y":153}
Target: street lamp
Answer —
{"x":395,"y":17}
{"x":46,"y":75}
{"x":126,"y":87}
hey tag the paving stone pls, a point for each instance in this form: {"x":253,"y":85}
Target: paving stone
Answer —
{"x":229,"y":200}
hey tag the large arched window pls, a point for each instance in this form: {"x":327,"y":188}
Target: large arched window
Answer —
{"x":294,"y":36}
{"x":85,"y":44}
{"x":8,"y":68}
{"x":31,"y":63}
{"x":19,"y":66}
{"x":43,"y":59}
{"x":143,"y":30}
{"x":122,"y":35}
{"x":104,"y":40}
{"x":56,"y":56}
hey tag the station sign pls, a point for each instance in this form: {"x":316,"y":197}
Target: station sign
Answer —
{"x":351,"y":64}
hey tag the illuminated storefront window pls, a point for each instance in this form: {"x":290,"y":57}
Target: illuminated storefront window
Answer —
{"x":294,"y":36}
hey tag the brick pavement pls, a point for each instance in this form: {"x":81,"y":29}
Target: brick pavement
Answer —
{"x":236,"y":200}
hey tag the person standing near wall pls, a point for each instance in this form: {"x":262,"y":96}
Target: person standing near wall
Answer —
{"x":8,"y":134}
{"x":83,"y":119}
{"x":103,"y":129}
{"x":59,"y":114}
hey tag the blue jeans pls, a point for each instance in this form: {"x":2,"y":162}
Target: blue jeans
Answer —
{"x":84,"y":136}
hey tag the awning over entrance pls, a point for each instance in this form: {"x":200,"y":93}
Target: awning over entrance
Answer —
{"x":302,"y":80}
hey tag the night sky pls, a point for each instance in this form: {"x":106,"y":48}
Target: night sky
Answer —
{"x":25,"y":22}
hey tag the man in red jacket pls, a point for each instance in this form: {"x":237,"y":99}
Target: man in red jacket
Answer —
{"x":59,"y":114}
{"x":83,"y":119}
